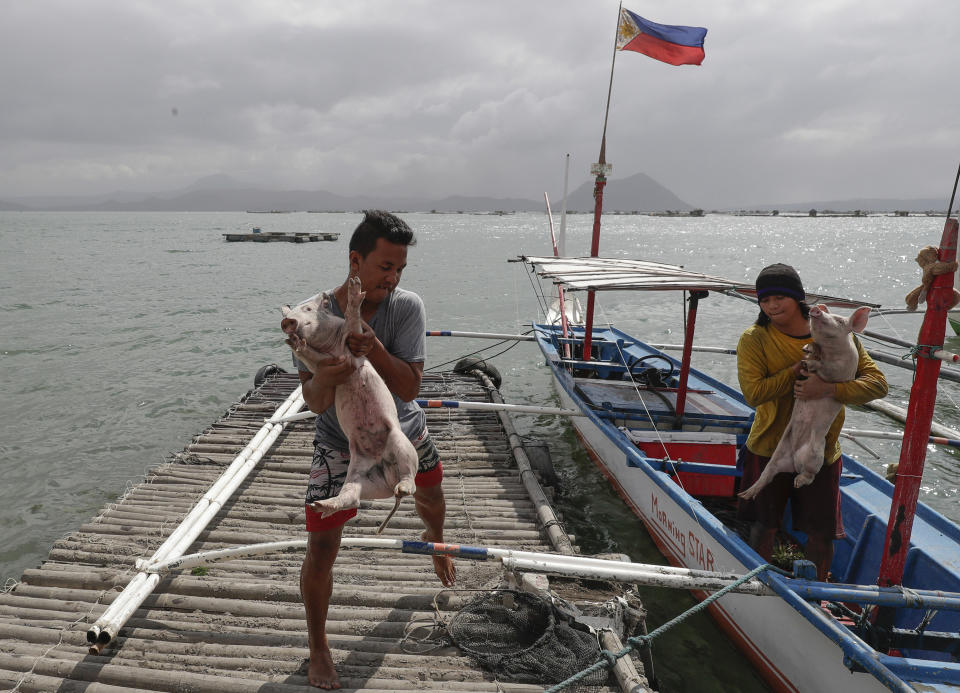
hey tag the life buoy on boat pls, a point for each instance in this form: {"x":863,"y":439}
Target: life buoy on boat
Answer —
{"x":472,"y":363}
{"x":265,"y":373}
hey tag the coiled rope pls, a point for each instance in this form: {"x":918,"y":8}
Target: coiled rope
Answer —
{"x":609,"y":659}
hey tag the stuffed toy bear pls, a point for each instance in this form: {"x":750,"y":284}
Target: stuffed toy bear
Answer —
{"x":929,"y":262}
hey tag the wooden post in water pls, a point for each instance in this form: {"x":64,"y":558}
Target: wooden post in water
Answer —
{"x":916,"y":432}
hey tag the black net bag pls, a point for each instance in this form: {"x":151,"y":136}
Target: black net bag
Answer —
{"x":522,"y":638}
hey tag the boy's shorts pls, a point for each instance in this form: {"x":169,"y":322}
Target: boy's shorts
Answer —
{"x":329,"y":469}
{"x":815,"y":508}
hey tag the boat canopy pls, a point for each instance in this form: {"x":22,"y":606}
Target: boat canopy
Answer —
{"x":622,"y":274}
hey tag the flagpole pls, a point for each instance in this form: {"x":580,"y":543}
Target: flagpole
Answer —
{"x":600,"y":170}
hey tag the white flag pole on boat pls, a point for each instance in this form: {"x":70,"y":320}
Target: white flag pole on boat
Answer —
{"x":562,"y":240}
{"x":562,"y":309}
{"x":600,"y":170}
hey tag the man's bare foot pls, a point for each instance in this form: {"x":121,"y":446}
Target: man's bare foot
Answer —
{"x":445,"y":570}
{"x":321,"y":672}
{"x":443,"y":566}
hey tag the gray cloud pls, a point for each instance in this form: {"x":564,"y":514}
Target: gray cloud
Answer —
{"x":795,"y":101}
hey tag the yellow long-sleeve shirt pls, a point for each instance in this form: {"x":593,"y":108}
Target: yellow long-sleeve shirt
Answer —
{"x":765,"y":359}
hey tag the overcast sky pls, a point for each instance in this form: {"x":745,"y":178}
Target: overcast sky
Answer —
{"x":795,"y":101}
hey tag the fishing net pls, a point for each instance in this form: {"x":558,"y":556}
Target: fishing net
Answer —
{"x":523,"y":638}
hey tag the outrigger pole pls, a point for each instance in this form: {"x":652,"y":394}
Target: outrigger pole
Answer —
{"x":923,"y":396}
{"x":600,"y":170}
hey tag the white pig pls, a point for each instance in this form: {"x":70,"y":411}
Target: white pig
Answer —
{"x":383,"y":461}
{"x":833,"y":357}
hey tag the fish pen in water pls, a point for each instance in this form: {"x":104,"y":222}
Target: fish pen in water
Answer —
{"x":239,"y":625}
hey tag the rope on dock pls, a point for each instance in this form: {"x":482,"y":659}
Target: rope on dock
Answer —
{"x":636,"y":641}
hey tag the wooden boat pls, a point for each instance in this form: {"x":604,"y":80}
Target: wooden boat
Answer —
{"x":667,"y":437}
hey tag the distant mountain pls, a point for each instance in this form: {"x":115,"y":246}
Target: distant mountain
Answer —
{"x":126,"y":200}
{"x":638,"y":193}
{"x":217,"y":181}
{"x":12,"y":207}
{"x":228,"y":200}
{"x":223,"y":193}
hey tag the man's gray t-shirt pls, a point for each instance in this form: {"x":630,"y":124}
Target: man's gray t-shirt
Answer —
{"x":400,"y":325}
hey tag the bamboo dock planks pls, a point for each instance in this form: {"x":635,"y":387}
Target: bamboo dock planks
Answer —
{"x":239,"y":625}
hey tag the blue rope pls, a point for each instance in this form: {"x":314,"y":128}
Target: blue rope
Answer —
{"x":609,"y":659}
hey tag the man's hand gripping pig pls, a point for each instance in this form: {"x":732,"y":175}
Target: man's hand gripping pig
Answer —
{"x":383,"y":461}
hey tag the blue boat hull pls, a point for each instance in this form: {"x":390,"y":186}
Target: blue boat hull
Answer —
{"x":794,"y":643}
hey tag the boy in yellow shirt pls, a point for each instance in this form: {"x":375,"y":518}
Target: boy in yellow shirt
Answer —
{"x":768,"y":362}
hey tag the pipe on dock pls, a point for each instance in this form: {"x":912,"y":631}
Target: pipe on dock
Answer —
{"x":583,"y":566}
{"x":476,"y":406}
{"x":548,"y":518}
{"x":631,"y":573}
{"x":140,"y":587}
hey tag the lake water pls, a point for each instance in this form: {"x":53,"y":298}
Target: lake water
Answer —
{"x":124,"y":334}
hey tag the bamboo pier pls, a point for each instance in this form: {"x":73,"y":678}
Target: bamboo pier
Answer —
{"x":239,"y":625}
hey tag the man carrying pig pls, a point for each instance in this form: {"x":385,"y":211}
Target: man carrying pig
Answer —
{"x":769,"y":356}
{"x":394,"y":328}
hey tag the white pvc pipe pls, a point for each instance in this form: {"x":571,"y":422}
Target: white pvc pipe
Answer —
{"x":893,"y":435}
{"x":905,"y":311}
{"x":628,"y":573}
{"x":946,"y":356}
{"x":481,"y":335}
{"x":708,"y":349}
{"x":300,"y":416}
{"x":601,"y":566}
{"x":457,"y":404}
{"x":885,"y":435}
{"x":213,"y":556}
{"x":141,"y":585}
{"x":495,"y":406}
{"x":234,"y":474}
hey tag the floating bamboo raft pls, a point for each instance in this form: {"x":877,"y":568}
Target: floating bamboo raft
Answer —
{"x":239,"y":626}
{"x":280,"y":236}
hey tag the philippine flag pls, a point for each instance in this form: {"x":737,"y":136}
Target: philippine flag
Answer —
{"x":676,"y":45}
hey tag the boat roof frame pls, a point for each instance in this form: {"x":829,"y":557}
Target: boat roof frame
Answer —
{"x":624,"y":274}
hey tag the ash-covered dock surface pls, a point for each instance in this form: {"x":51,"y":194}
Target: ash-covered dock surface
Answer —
{"x":239,"y":625}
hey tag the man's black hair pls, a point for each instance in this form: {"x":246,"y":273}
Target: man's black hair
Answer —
{"x":763,"y":319}
{"x":380,"y":224}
